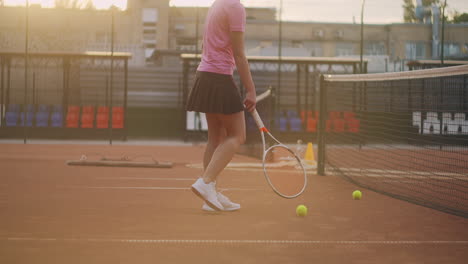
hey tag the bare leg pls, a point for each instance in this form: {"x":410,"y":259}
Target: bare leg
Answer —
{"x":216,"y":135}
{"x":234,"y":127}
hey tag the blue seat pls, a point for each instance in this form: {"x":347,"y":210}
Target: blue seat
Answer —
{"x":42,"y":119}
{"x":295,"y":124}
{"x":43,"y":108}
{"x":42,"y":116}
{"x":56,"y":119}
{"x":11,"y":119}
{"x":29,"y":119}
{"x":57,"y":108}
{"x":291,"y":114}
{"x":13,"y":108}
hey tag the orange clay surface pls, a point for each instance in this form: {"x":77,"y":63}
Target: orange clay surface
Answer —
{"x":54,"y":213}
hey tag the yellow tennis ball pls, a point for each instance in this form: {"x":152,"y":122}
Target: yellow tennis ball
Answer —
{"x":357,"y":195}
{"x":301,"y":210}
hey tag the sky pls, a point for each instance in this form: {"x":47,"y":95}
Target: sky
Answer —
{"x":375,"y":11}
{"x":340,"y":11}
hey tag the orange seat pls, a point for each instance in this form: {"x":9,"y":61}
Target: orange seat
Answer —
{"x":73,"y":109}
{"x":353,"y":125}
{"x":311,"y":125}
{"x":72,"y":120}
{"x":349,"y":115}
{"x":102,"y":120}
{"x":117,"y":120}
{"x":87,"y":120}
{"x":103,"y":109}
{"x":338,"y":125}
{"x":117,"y":109}
{"x":88,"y":109}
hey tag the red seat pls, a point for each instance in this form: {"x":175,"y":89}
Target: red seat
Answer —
{"x":87,"y":120}
{"x":311,"y":125}
{"x":117,"y":109}
{"x":72,"y":120}
{"x":353,"y":125}
{"x":87,"y":117}
{"x":117,"y":120}
{"x":338,"y":125}
{"x":88,"y":109}
{"x":73,"y":109}
{"x":349,"y":115}
{"x":102,"y":120}
{"x":103,"y":109}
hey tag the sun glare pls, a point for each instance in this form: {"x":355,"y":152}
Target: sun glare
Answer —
{"x":99,"y":4}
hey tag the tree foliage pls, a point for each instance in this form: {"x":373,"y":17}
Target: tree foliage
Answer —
{"x":460,"y":18}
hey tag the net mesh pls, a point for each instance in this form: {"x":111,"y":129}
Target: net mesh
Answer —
{"x":404,"y":135}
{"x":253,"y":145}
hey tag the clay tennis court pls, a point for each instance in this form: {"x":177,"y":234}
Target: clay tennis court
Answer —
{"x":54,"y":213}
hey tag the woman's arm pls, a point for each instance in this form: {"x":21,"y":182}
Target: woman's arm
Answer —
{"x":237,"y":40}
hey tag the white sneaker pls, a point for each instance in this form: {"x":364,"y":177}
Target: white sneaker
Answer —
{"x":207,"y":191}
{"x":225,"y":202}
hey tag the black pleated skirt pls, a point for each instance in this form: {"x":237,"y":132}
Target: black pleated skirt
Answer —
{"x":214,"y":93}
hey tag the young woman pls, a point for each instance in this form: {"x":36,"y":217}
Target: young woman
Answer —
{"x":215,"y":94}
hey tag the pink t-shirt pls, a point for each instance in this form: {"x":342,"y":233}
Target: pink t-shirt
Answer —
{"x":223,"y":17}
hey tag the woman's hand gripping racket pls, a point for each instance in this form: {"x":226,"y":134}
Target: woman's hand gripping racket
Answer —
{"x":281,"y":166}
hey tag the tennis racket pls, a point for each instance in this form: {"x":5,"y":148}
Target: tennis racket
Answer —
{"x":282,"y":168}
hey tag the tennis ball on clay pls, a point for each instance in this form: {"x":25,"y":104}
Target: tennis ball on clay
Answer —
{"x":357,"y":195}
{"x":301,"y":210}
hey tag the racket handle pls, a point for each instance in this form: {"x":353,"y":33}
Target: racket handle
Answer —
{"x":258,"y":120}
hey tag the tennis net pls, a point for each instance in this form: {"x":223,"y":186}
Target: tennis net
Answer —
{"x":400,"y":134}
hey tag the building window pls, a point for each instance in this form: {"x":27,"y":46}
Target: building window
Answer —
{"x":315,"y":48}
{"x":344,"y":49}
{"x":451,"y":49}
{"x":374,"y":48}
{"x":415,"y":50}
{"x":149,"y":16}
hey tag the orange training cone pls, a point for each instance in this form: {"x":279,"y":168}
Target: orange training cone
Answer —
{"x":309,"y":156}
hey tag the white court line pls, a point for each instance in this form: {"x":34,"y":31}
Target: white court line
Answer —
{"x":154,"y":179}
{"x":238,"y":242}
{"x":153,"y":188}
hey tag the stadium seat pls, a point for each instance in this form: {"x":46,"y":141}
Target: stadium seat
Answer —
{"x":311,"y":124}
{"x":56,"y":119}
{"x":349,"y":115}
{"x":449,"y":126}
{"x":338,"y":125}
{"x":117,"y":120}
{"x":11,"y":119}
{"x":14,"y":108}
{"x":295,"y":124}
{"x":460,"y":120}
{"x":353,"y":125}
{"x":431,"y":124}
{"x":417,"y":120}
{"x":117,"y":117}
{"x":73,"y":109}
{"x":27,"y":116}
{"x":72,"y":120}
{"x":42,"y":116}
{"x":102,"y":117}
{"x":87,"y":117}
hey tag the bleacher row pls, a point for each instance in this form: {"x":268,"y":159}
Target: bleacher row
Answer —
{"x":53,"y":116}
{"x":432,"y":125}
{"x":338,"y":122}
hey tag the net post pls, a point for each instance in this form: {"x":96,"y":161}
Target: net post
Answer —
{"x":321,"y":128}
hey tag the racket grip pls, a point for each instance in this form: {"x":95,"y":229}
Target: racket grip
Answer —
{"x":258,"y":120}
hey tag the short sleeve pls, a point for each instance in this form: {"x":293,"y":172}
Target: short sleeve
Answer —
{"x":236,"y":17}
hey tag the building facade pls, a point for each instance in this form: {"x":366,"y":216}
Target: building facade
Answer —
{"x":147,"y":26}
